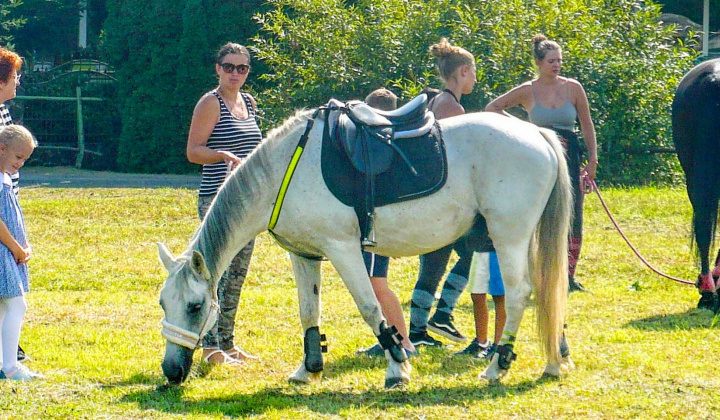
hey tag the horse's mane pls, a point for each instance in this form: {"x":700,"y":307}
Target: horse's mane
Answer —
{"x":240,"y":189}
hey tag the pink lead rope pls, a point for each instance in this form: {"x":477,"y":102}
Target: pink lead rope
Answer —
{"x":588,"y":186}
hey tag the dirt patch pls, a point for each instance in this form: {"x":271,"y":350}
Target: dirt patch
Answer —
{"x":68,"y":177}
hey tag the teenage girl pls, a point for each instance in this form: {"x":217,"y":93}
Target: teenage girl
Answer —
{"x":456,"y":67}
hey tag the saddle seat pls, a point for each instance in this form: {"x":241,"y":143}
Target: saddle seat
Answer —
{"x":406,"y":115}
{"x":367,"y":135}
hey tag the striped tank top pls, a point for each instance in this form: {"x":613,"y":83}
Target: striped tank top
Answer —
{"x":231,"y":134}
{"x":561,"y":117}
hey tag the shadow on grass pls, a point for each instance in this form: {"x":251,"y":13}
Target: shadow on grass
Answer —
{"x":692,"y":319}
{"x":170,"y":399}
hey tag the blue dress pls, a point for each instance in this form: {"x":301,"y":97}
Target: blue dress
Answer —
{"x":14,"y":277}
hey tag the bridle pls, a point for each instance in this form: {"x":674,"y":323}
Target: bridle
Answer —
{"x":186,"y":338}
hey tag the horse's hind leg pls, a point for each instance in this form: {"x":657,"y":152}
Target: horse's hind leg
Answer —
{"x":307,"y":278}
{"x":513,"y":266}
{"x":704,"y":211}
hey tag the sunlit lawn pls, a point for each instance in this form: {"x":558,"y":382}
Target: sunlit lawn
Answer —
{"x":641,"y":349}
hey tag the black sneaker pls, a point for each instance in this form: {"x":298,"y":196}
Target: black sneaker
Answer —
{"x":377,"y":351}
{"x":423,"y":339}
{"x":442,"y":325}
{"x":374,"y":351}
{"x":473,"y":349}
{"x":575,"y":286}
{"x":21,"y":356}
{"x":487,"y":354}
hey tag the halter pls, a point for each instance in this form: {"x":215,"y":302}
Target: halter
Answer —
{"x":186,"y":338}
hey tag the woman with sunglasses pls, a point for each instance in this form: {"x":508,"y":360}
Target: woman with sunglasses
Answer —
{"x":224,"y":131}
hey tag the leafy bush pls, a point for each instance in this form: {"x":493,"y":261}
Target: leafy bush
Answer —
{"x":625,"y":60}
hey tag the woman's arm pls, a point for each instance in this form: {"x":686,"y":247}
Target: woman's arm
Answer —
{"x":519,"y":95}
{"x":205,"y":116}
{"x":587,"y":127}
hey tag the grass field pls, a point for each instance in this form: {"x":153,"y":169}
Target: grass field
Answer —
{"x":641,"y":348}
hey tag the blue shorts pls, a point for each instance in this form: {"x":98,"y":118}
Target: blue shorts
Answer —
{"x":485,"y":277}
{"x":376,"y":265}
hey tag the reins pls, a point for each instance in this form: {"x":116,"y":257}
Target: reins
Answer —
{"x":594,"y":187}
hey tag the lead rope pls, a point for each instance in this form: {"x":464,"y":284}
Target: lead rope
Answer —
{"x":589,"y":186}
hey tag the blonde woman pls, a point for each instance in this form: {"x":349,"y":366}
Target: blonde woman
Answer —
{"x":556,"y":102}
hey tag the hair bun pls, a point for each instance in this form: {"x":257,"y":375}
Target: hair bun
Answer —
{"x":538,"y":39}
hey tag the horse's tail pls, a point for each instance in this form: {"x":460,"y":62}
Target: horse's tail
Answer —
{"x":704,"y":187}
{"x":549,"y":256}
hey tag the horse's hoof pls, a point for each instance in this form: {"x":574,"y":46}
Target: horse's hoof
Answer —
{"x":566,"y":364}
{"x":304,"y":377}
{"x":552,"y":370}
{"x":708,"y":300}
{"x":394,"y":383}
{"x":492,"y":376}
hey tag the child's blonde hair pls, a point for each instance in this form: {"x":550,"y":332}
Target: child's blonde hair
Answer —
{"x":11,"y":135}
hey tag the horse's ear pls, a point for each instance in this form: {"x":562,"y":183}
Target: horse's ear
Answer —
{"x":197,"y":264}
{"x":166,"y":256}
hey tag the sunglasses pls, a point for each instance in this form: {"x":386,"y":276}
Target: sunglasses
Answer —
{"x":230,"y":67}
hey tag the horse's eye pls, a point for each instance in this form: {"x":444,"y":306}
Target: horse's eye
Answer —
{"x":194,"y":307}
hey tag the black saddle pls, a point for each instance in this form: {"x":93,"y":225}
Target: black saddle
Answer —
{"x":367,"y":135}
{"x":373,"y":158}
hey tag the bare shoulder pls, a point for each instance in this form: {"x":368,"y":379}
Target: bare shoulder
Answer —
{"x":574,"y":84}
{"x":207,"y":103}
{"x":445,"y":106}
{"x":252,"y":99}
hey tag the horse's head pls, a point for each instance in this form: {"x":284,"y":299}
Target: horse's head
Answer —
{"x":189,"y":300}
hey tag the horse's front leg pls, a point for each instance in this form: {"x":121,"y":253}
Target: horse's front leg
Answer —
{"x":307,"y":279}
{"x":349,"y":264}
{"x":517,"y":294}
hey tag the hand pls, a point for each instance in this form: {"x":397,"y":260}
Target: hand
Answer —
{"x":230,"y":159}
{"x":22,"y":255}
{"x":590,"y":170}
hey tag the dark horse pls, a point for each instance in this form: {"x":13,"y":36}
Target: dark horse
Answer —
{"x":696,"y":132}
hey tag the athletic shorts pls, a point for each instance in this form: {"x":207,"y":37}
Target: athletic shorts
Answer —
{"x":485,"y":275}
{"x":376,"y":265}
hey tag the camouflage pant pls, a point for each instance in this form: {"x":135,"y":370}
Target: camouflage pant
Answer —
{"x":222,"y":334}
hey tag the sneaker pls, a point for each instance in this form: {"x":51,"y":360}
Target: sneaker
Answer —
{"x":473,"y":349}
{"x":575,"y":286}
{"x":374,"y":351}
{"x":22,"y":373}
{"x":488,"y":352}
{"x":445,"y":328}
{"x":377,"y":351}
{"x":21,"y":356}
{"x":423,"y":339}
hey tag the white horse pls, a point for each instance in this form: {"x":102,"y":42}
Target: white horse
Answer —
{"x":509,"y":171}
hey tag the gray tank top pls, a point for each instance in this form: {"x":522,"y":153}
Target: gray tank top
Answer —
{"x":561,"y":117}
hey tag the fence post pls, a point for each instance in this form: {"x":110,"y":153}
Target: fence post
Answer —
{"x":80,"y":130}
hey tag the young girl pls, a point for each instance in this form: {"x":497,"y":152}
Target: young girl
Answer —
{"x":16,"y":146}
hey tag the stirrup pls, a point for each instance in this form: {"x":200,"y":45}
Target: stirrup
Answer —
{"x":369,"y":239}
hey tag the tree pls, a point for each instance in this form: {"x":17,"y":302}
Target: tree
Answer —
{"x":164,"y":67}
{"x":9,"y":22}
{"x":50,"y":29}
{"x":616,"y":48}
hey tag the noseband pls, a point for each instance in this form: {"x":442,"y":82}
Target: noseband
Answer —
{"x":186,"y":338}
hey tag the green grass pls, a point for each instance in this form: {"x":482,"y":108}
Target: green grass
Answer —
{"x":641,"y":348}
